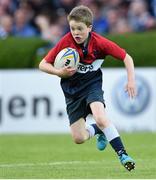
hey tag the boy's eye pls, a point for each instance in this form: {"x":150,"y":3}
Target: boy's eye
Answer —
{"x":74,"y":29}
{"x":80,"y":29}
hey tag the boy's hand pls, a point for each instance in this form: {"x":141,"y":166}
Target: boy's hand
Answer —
{"x":131,"y":89}
{"x":66,"y":72}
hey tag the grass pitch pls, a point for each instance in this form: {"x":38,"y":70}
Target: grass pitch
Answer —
{"x":56,"y":156}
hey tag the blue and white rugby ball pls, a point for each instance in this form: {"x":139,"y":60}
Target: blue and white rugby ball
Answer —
{"x":67,"y":57}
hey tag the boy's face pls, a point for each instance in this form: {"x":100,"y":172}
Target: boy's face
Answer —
{"x":79,"y":31}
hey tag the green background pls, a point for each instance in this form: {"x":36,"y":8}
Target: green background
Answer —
{"x":28,"y":52}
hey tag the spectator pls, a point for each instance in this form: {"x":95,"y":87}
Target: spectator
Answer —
{"x":6,"y":24}
{"x":7,"y":6}
{"x":100,"y":23}
{"x":112,"y":15}
{"x":49,"y":31}
{"x":22,"y":27}
{"x":43,"y":23}
{"x":153,"y":7}
{"x":2,"y":11}
{"x":139,"y":16}
{"x":113,"y":3}
{"x":66,"y":5}
{"x":42,"y":17}
{"x":55,"y":33}
{"x":122,"y":27}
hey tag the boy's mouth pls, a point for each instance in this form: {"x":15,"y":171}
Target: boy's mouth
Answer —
{"x":78,"y":39}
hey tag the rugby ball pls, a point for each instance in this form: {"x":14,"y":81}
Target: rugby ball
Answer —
{"x":67,"y":57}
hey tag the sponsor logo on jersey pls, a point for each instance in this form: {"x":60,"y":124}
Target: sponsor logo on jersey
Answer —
{"x":83,"y":68}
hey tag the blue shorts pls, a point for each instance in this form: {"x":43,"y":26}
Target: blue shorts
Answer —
{"x":78,"y":107}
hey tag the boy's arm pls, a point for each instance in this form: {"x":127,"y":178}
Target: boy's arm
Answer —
{"x":50,"y":69}
{"x":130,"y":87}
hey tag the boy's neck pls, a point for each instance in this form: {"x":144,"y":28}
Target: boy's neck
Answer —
{"x":84,"y":46}
{"x":85,"y":43}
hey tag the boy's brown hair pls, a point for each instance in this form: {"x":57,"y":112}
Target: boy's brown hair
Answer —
{"x":81,"y":14}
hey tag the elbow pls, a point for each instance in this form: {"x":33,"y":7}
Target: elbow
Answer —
{"x":41,"y":66}
{"x":127,"y":57}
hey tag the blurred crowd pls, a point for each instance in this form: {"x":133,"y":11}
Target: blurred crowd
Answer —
{"x":47,"y":18}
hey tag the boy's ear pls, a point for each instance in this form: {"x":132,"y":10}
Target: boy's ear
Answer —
{"x":90,"y":27}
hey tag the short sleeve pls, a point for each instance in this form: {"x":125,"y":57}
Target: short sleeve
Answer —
{"x":113,"y":49}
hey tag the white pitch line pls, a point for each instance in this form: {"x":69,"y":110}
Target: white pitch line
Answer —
{"x":46,"y":164}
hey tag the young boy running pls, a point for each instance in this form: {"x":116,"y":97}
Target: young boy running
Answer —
{"x":83,"y":87}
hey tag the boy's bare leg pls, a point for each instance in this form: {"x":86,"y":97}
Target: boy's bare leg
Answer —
{"x":79,"y":132}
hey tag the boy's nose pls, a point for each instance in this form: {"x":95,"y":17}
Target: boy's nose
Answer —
{"x":76,"y":32}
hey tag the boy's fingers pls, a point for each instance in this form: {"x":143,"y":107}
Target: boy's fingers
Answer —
{"x":132,"y":93}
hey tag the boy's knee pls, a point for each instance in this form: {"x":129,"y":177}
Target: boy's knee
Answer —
{"x":79,"y":139}
{"x":101,"y":121}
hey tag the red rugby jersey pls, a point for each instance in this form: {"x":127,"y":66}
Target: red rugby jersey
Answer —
{"x":98,"y":48}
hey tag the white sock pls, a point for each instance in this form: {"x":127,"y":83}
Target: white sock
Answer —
{"x":91,"y":130}
{"x":110,"y":132}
